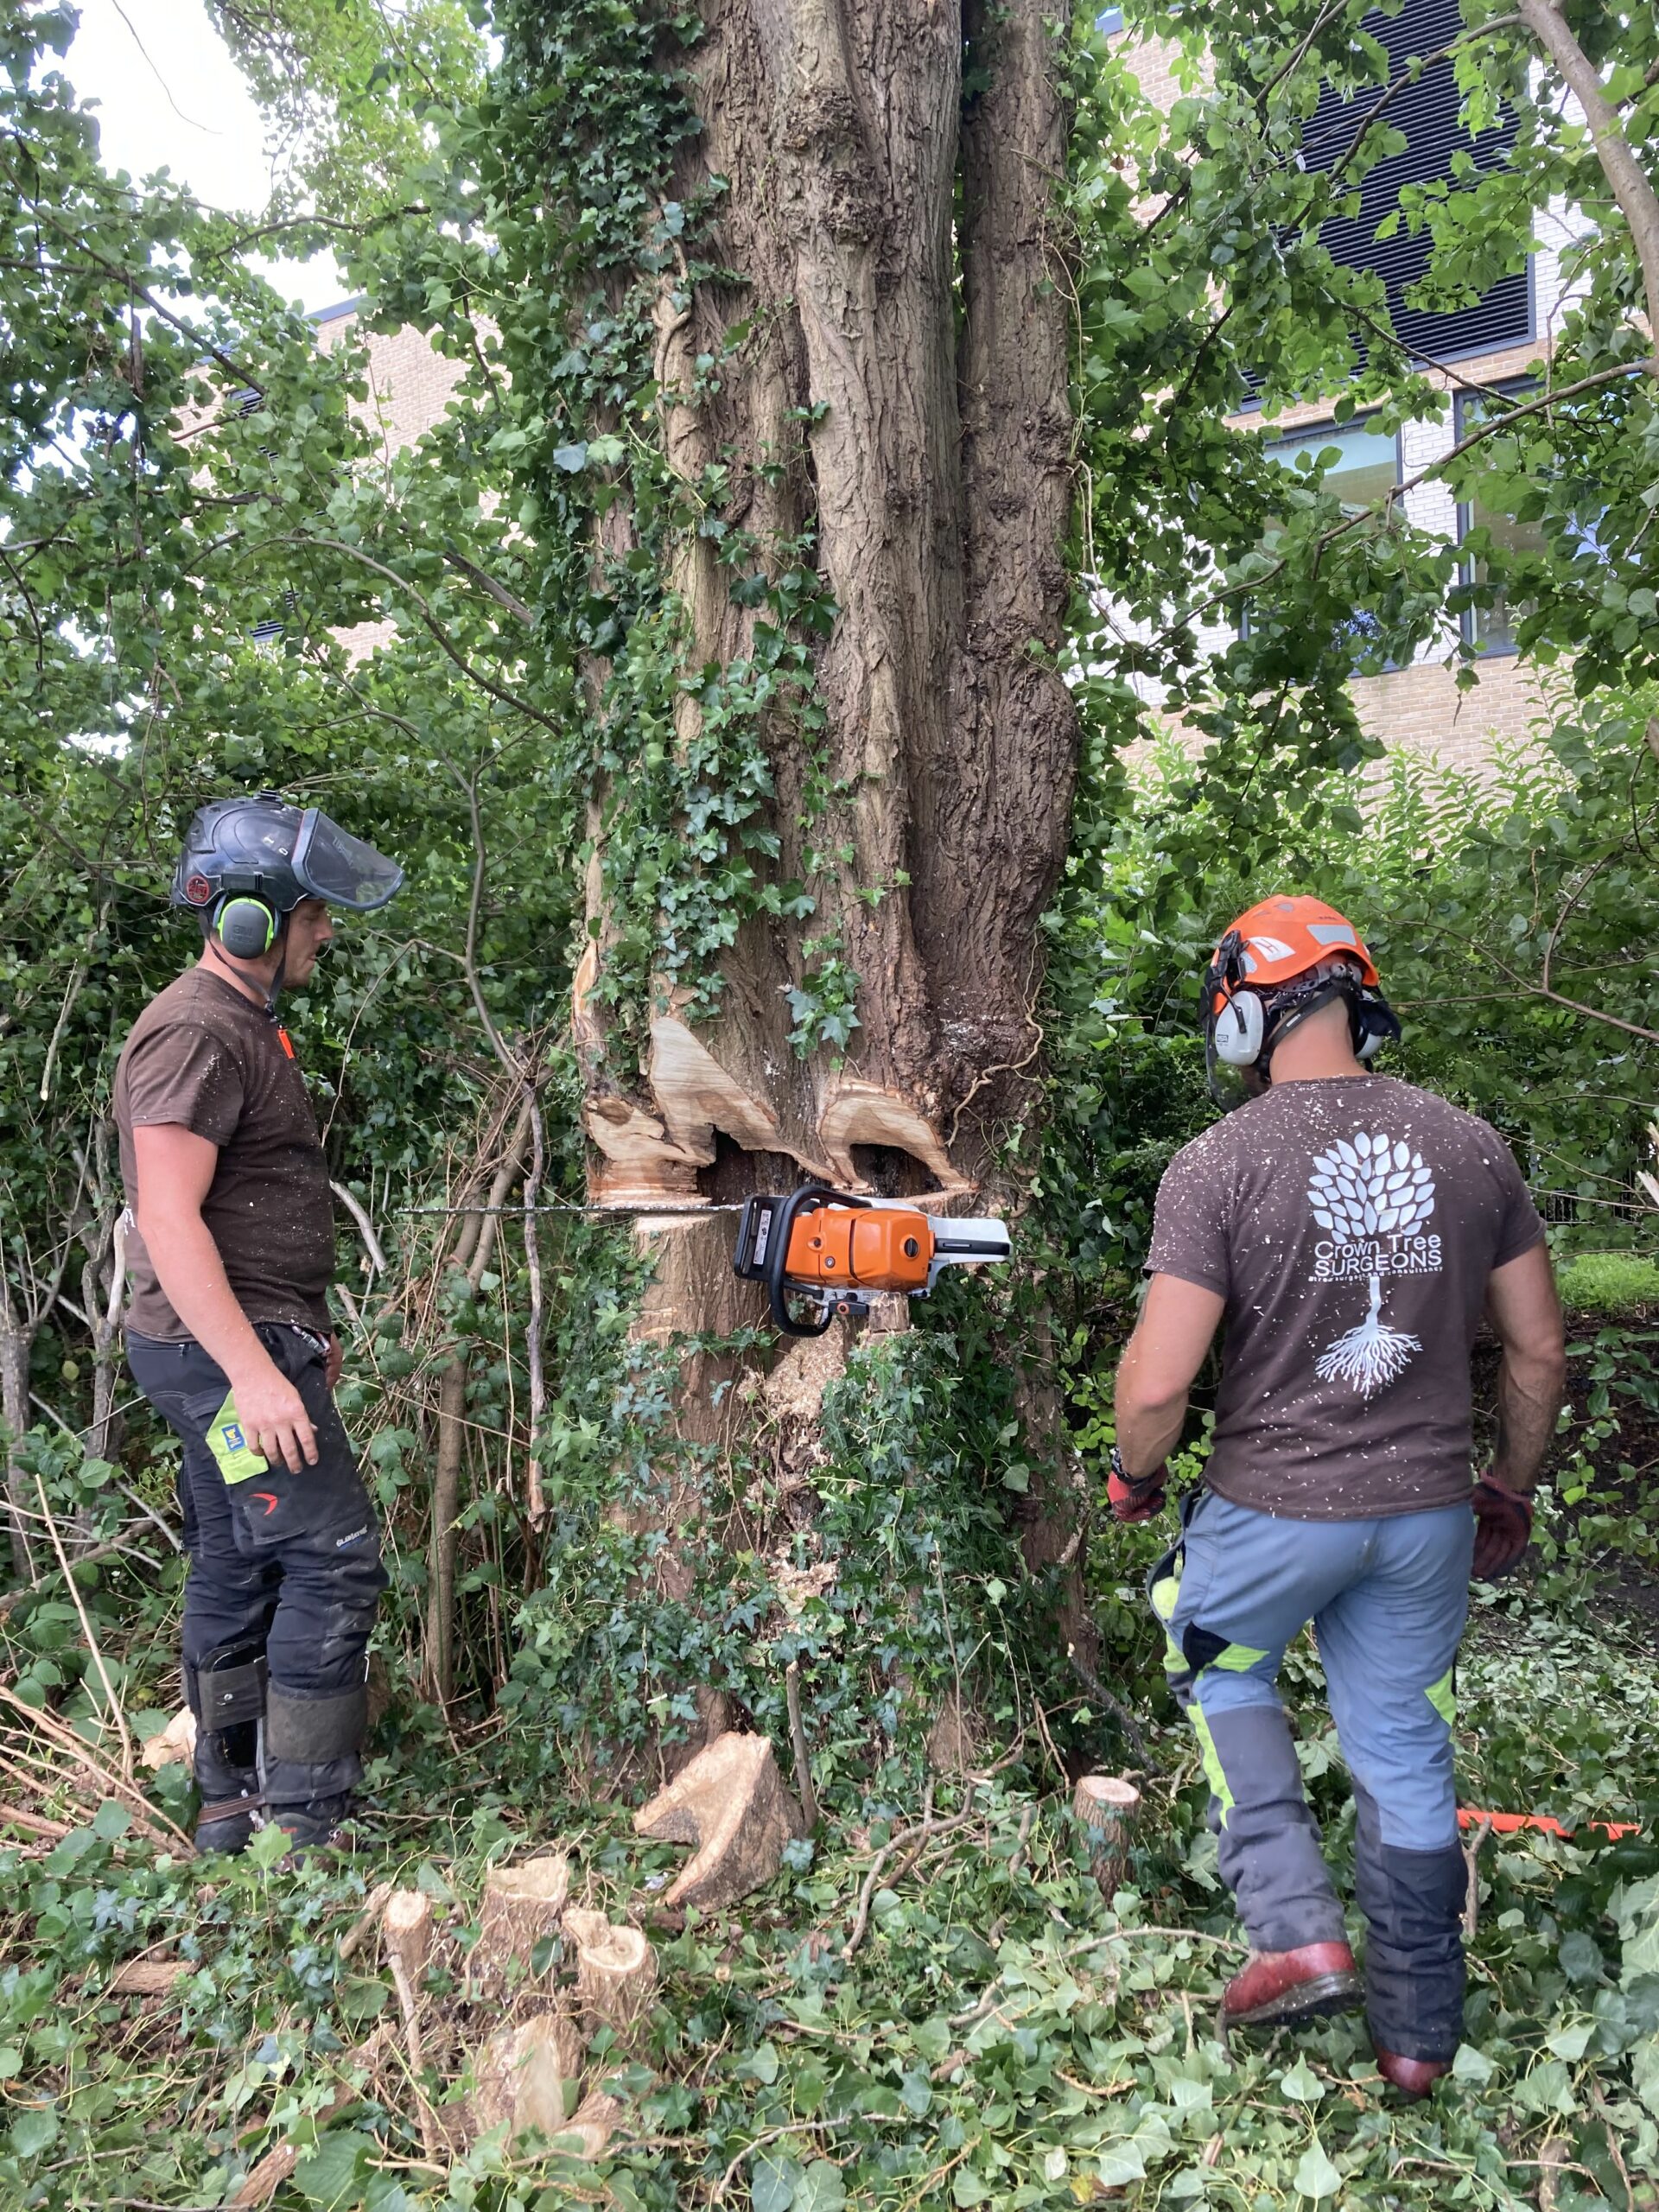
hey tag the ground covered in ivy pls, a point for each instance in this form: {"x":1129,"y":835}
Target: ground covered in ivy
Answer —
{"x":1001,"y":2035}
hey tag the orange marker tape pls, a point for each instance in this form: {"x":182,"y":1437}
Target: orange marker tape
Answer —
{"x":1470,"y":1816}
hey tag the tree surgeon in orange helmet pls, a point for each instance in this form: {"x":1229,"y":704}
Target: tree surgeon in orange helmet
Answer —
{"x":1347,"y":1230}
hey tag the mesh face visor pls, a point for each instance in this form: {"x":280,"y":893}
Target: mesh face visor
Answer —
{"x":329,"y":863}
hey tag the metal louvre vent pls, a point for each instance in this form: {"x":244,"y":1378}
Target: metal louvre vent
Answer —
{"x":1426,"y":112}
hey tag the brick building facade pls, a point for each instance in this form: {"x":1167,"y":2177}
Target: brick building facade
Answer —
{"x":1421,"y":707}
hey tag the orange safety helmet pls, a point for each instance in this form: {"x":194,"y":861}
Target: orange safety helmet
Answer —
{"x":1249,"y":998}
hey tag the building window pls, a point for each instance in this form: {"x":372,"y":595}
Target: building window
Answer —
{"x":1109,"y":21}
{"x":1491,"y":628}
{"x":1426,"y":112}
{"x":1365,"y":471}
{"x":1368,"y":467}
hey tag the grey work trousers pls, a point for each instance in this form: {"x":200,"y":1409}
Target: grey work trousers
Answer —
{"x":1387,"y":1599}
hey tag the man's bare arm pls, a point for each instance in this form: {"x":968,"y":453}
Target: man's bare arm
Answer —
{"x":176,"y":1170}
{"x":1527,"y":1314}
{"x":1165,"y":1352}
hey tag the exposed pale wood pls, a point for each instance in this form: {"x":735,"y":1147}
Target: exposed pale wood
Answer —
{"x":175,"y":1744}
{"x":616,"y":1969}
{"x":528,"y":2076}
{"x":731,"y":1802}
{"x":522,"y":1906}
{"x":857,"y":1112}
{"x":1107,"y":1806}
{"x":145,"y":1977}
{"x":596,"y":2122}
{"x":406,"y":1930}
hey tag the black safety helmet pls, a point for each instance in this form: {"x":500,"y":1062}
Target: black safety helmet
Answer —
{"x":248,"y":862}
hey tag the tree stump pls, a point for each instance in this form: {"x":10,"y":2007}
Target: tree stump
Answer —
{"x":732,"y":1804}
{"x":522,"y":1906}
{"x":616,"y":1969}
{"x":1106,"y":1808}
{"x":529,"y":2076}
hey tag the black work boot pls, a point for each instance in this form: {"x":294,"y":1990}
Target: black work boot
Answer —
{"x":321,"y":1828}
{"x":227,"y":1777}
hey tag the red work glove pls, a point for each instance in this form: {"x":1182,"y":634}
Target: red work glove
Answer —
{"x":1503,"y":1527}
{"x":1133,"y":1499}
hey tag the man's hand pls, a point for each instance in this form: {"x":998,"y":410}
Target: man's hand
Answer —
{"x":273,"y":1416}
{"x":1137,"y":1500}
{"x":1503,"y":1528}
{"x":335,"y":1361}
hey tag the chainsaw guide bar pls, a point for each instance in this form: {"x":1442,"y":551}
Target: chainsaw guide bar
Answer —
{"x":832,"y":1251}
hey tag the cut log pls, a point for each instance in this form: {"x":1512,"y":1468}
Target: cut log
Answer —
{"x":175,"y":1744}
{"x":529,"y":2076}
{"x":522,"y":1907}
{"x":732,"y":1804}
{"x":616,"y":1969}
{"x":1106,"y":1807}
{"x":594,"y":2123}
{"x":406,"y":1930}
{"x":145,"y":1977}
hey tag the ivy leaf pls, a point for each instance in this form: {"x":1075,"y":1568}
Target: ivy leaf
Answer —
{"x":34,"y":2131}
{"x":820,"y":2189}
{"x":570,"y":458}
{"x":1302,"y":2084}
{"x":1315,"y":2175}
{"x":328,"y":2177}
{"x":1120,"y":2164}
{"x":1472,"y":2066}
{"x":772,"y":2183}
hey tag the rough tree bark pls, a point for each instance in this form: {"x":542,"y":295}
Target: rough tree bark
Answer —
{"x":901,"y":394}
{"x":863,"y":191}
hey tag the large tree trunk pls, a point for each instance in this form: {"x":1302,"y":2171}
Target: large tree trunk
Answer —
{"x":862,"y":193}
{"x":899,"y":405}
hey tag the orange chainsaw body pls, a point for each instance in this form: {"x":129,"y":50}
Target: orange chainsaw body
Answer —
{"x":862,"y":1247}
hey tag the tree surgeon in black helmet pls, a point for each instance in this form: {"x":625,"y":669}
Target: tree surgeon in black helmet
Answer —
{"x":229,"y":1335}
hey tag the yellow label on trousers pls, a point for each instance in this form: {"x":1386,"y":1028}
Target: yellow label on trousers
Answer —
{"x":238,"y":1460}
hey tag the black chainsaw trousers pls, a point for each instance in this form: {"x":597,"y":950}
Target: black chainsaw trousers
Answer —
{"x":285,"y":1574}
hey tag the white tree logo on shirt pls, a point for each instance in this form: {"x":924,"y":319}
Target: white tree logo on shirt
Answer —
{"x":1364,"y":1190}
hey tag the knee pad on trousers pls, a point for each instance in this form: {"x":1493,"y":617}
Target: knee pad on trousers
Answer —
{"x":313,"y":1745}
{"x":229,"y":1686}
{"x":1415,"y":1973}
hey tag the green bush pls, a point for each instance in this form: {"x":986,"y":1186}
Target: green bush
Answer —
{"x":1609,"y":1282}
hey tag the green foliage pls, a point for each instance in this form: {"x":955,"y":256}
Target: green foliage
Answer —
{"x":1620,"y":1284}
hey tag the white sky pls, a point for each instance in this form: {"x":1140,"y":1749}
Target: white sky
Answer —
{"x":184,"y":109}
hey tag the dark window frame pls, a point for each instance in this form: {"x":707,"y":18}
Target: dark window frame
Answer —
{"x":1462,"y":404}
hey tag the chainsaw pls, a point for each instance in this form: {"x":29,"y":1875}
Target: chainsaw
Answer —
{"x":832,"y":1251}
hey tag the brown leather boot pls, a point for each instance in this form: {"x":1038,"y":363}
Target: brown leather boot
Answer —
{"x":1279,"y":1986}
{"x":1412,"y":2077}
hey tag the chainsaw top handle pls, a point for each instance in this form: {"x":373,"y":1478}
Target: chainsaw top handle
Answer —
{"x":777,"y":1261}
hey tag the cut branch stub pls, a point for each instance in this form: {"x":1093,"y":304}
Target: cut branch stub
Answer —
{"x":616,"y":1969}
{"x":528,"y":2076}
{"x":406,"y":1930}
{"x":522,"y":1907}
{"x":732,"y":1804}
{"x":593,"y":2127}
{"x":1106,"y":1807}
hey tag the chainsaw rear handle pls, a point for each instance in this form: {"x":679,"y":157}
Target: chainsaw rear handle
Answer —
{"x":774,"y":1268}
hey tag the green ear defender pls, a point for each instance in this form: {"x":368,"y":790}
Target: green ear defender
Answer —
{"x":246,"y":927}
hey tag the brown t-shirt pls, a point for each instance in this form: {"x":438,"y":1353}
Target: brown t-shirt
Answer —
{"x":1351,"y":1225}
{"x":203,"y":1058}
